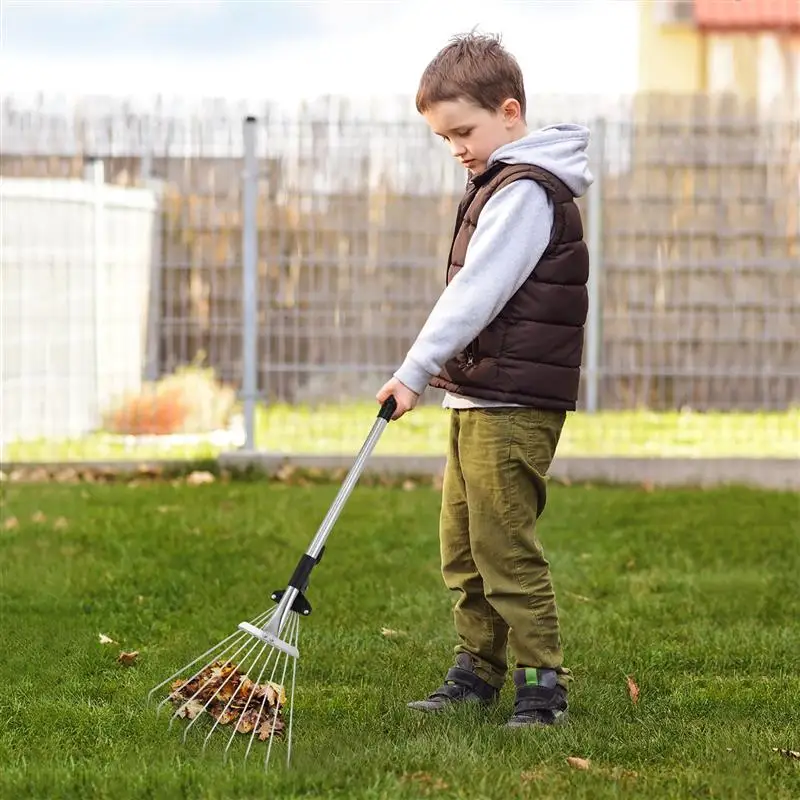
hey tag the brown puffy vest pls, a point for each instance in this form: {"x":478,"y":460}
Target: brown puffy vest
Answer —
{"x":531,"y":352}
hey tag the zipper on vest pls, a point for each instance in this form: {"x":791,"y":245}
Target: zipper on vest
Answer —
{"x":470,"y":354}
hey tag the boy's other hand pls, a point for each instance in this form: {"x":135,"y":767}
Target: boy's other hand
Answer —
{"x":406,"y":399}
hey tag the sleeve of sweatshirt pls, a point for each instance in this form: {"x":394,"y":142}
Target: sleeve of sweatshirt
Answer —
{"x":513,"y":231}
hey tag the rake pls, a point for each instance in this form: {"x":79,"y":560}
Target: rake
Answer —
{"x":232,"y":686}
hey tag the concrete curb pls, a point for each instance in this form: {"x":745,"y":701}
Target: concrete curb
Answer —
{"x":764,"y":473}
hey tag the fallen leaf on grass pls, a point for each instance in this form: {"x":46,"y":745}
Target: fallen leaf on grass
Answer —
{"x":190,"y":709}
{"x":38,"y":516}
{"x":390,"y":633}
{"x":106,"y":639}
{"x":9,"y":523}
{"x":228,"y":715}
{"x":198,"y":478}
{"x":794,"y":754}
{"x":270,"y":727}
{"x":633,"y":689}
{"x":578,"y":763}
{"x":128,"y":659}
{"x":61,"y":524}
{"x":247,"y":721}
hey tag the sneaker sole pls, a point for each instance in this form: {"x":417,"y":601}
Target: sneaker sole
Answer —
{"x":432,"y":708}
{"x":561,"y":718}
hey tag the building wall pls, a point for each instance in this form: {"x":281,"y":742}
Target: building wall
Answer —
{"x":75,"y":302}
{"x":671,"y":58}
{"x":678,"y":58}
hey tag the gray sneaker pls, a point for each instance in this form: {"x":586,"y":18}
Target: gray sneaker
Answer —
{"x":539,"y":699}
{"x":461,"y":685}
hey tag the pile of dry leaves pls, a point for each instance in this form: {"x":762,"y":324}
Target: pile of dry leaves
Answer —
{"x":253,"y":706}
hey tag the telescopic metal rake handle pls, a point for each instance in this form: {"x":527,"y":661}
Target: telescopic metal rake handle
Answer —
{"x":292,"y":598}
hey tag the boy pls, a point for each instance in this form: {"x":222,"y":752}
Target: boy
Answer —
{"x":504,"y":341}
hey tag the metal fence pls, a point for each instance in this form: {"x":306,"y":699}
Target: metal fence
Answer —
{"x":301,"y":269}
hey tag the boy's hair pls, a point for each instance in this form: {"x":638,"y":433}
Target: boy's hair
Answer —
{"x":474,"y":67}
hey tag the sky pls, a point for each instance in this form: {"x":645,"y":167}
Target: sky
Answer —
{"x":283,"y":51}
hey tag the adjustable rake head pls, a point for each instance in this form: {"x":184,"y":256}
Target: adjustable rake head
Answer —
{"x":240,"y":691}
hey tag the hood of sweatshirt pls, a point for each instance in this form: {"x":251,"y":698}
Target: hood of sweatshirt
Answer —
{"x":560,"y":149}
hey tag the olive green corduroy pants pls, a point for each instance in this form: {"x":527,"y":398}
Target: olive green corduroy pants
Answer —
{"x":494,"y":491}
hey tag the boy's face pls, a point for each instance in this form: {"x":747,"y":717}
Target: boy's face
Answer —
{"x":472,"y":132}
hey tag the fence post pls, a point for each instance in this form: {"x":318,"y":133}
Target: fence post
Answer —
{"x":94,"y":174}
{"x":249,"y":282}
{"x":152,"y":363}
{"x":594,"y":320}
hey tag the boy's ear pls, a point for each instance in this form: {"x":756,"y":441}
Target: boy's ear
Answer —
{"x":511,"y":111}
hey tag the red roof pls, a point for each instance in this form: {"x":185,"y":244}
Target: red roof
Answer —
{"x":747,"y":15}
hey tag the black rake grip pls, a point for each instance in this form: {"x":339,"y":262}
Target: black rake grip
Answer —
{"x":388,"y":408}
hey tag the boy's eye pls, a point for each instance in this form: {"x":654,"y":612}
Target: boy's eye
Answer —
{"x":461,"y":134}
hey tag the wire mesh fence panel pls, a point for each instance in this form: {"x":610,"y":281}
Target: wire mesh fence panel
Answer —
{"x":123,"y":314}
{"x":701,"y":262}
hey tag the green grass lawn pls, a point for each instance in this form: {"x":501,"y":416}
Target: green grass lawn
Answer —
{"x":692,"y":593}
{"x":341,"y":429}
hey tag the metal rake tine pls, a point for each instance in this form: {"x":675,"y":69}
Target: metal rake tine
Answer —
{"x":261,"y":619}
{"x":292,"y":622}
{"x":292,"y":633}
{"x":296,"y":635}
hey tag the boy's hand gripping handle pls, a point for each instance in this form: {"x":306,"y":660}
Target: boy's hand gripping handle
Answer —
{"x":388,"y":408}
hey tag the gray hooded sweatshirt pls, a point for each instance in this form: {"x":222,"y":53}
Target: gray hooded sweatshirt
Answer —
{"x":512,"y":233}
